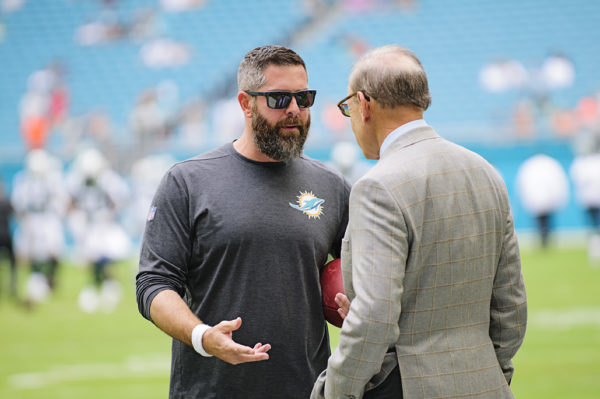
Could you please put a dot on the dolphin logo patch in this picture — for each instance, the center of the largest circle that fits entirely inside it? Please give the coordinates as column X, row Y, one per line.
column 309, row 204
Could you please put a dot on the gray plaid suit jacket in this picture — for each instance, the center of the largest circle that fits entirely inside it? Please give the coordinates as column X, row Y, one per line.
column 432, row 268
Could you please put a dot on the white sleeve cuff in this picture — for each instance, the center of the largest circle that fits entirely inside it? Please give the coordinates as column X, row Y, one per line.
column 197, row 334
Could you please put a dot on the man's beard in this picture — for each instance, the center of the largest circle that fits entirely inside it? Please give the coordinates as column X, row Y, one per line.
column 275, row 145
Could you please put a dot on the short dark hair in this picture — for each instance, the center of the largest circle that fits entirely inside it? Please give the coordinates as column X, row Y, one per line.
column 250, row 73
column 393, row 76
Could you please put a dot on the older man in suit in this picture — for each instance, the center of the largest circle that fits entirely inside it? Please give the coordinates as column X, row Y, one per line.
column 430, row 259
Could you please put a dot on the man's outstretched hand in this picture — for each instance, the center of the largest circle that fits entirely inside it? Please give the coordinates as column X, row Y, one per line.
column 218, row 341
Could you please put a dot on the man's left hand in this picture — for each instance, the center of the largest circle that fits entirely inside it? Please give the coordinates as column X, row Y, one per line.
column 344, row 304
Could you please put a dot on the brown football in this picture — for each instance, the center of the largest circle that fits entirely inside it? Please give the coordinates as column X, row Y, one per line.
column 331, row 284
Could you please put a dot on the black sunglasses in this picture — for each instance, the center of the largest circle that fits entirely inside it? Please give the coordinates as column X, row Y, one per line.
column 281, row 99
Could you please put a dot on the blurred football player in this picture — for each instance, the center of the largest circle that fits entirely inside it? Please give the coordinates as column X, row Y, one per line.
column 98, row 194
column 585, row 172
column 6, row 242
column 544, row 190
column 40, row 201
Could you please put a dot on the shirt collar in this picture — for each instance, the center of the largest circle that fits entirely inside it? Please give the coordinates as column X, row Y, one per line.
column 399, row 132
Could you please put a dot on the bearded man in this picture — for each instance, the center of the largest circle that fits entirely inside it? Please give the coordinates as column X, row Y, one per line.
column 240, row 234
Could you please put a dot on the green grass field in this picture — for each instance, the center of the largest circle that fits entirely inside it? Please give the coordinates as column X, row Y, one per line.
column 57, row 351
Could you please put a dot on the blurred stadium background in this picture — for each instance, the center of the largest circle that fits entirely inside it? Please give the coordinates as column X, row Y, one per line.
column 141, row 80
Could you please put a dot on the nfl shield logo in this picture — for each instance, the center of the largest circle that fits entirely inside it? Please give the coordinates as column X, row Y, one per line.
column 151, row 213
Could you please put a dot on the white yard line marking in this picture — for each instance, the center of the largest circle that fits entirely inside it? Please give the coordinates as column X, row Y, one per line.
column 135, row 366
column 565, row 319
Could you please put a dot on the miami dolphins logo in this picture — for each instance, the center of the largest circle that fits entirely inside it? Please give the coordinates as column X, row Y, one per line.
column 309, row 204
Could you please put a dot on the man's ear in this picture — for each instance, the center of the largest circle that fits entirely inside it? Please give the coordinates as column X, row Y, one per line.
column 364, row 106
column 245, row 101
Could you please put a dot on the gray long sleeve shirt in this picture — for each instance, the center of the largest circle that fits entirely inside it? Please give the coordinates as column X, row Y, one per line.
column 237, row 237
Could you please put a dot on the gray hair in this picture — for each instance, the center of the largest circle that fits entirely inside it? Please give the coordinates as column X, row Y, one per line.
column 393, row 76
column 251, row 71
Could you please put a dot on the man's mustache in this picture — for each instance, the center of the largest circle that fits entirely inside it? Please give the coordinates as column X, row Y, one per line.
column 290, row 121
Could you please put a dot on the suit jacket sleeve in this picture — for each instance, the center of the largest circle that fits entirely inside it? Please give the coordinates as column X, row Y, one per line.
column 508, row 312
column 378, row 243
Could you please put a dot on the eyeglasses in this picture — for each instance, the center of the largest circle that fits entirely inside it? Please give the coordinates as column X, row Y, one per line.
column 343, row 105
column 281, row 99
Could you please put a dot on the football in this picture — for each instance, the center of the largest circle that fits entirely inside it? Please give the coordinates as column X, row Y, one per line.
column 331, row 284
